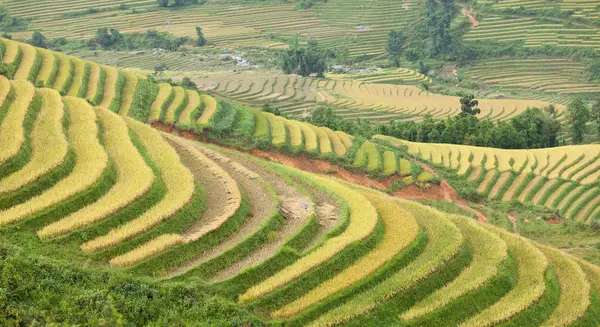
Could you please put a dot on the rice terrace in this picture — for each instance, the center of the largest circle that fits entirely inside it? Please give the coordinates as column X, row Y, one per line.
column 300, row 163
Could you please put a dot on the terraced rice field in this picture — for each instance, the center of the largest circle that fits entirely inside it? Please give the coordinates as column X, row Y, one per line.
column 545, row 75
column 586, row 9
column 564, row 178
column 121, row 92
column 534, row 33
column 296, row 96
column 334, row 24
column 289, row 246
column 385, row 76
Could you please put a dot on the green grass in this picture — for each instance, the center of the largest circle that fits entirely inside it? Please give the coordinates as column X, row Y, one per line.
column 100, row 89
column 116, row 102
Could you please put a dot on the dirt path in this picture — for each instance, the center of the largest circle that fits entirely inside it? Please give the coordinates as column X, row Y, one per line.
column 261, row 207
column 216, row 196
column 469, row 14
column 289, row 197
column 327, row 209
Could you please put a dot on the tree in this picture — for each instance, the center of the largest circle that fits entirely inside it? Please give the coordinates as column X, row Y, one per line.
column 107, row 38
column 201, row 41
column 468, row 106
column 596, row 114
column 396, row 42
column 188, row 83
column 423, row 69
column 38, row 40
column 178, row 3
column 304, row 60
column 160, row 69
column 577, row 117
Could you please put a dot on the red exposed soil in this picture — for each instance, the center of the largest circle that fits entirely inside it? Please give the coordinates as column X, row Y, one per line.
column 442, row 192
column 469, row 14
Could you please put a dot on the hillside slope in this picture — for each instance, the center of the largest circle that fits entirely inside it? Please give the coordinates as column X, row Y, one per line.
column 287, row 245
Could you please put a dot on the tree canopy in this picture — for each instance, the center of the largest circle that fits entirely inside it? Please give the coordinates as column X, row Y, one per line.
column 304, row 60
column 578, row 115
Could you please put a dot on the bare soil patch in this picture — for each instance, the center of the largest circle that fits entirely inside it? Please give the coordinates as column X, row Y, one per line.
column 290, row 197
column 261, row 208
column 216, row 194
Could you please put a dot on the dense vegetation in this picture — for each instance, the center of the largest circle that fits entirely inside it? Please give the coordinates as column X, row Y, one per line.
column 535, row 128
column 110, row 38
column 10, row 23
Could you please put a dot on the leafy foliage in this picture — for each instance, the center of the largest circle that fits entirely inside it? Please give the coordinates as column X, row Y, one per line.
column 304, row 60
column 40, row 292
column 468, row 106
column 578, row 115
column 151, row 39
column 178, row 3
column 224, row 117
column 38, row 40
column 201, row 40
column 10, row 23
column 534, row 128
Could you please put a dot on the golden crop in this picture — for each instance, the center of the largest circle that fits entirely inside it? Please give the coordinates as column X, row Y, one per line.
column 164, row 90
column 400, row 230
column 64, row 71
column 445, row 240
column 131, row 82
column 11, row 130
column 134, row 179
column 363, row 218
column 110, row 86
column 310, row 137
column 574, row 289
column 179, row 182
column 91, row 161
column 338, row 147
column 404, row 167
column 210, row 106
column 345, row 138
column 389, row 163
column 177, row 100
column 48, row 60
column 78, row 73
column 193, row 103
column 324, row 141
column 278, row 132
column 531, row 265
column 48, row 143
column 27, row 61
column 489, row 251
column 5, row 88
column 92, row 86
column 11, row 52
column 295, row 132
column 147, row 250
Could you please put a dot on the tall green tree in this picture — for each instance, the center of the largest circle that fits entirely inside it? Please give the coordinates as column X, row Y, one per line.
column 596, row 114
column 201, row 40
column 396, row 42
column 578, row 115
column 304, row 60
column 38, row 40
column 468, row 106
